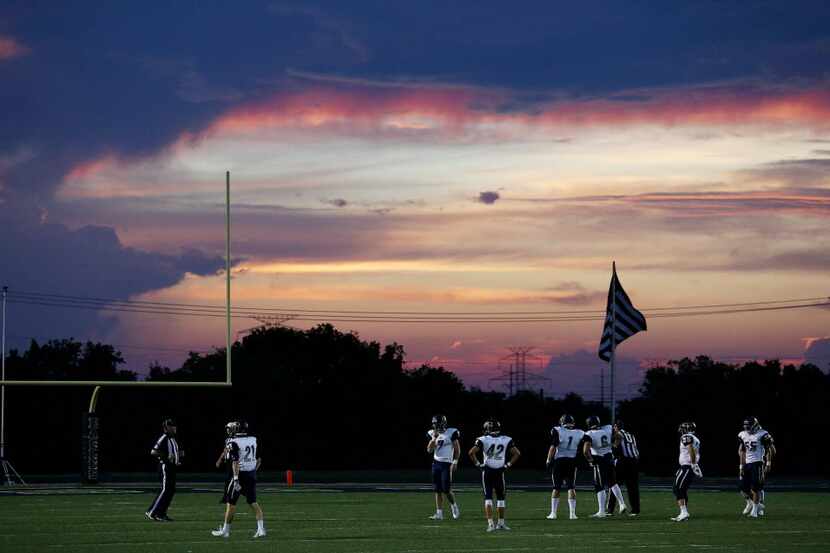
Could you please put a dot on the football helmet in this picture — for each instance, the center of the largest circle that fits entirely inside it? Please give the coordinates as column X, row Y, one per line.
column 492, row 427
column 439, row 423
column 232, row 429
column 168, row 423
column 592, row 422
column 752, row 425
column 566, row 420
column 687, row 428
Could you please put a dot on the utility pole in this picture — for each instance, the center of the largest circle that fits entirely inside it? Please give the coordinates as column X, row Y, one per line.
column 602, row 386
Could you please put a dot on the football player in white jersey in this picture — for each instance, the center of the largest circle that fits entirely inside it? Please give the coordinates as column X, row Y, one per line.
column 564, row 445
column 494, row 448
column 243, row 454
column 755, row 451
column 688, row 460
column 596, row 447
column 445, row 446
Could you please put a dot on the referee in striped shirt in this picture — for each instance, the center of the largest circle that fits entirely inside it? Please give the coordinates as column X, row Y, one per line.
column 169, row 456
column 628, row 467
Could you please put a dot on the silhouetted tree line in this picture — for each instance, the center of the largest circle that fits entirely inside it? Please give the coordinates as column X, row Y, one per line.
column 324, row 399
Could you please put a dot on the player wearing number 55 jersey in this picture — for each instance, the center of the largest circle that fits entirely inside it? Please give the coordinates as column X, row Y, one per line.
column 755, row 450
column 243, row 455
column 494, row 448
column 565, row 441
column 597, row 449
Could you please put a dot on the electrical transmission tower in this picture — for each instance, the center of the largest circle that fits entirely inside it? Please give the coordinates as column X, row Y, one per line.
column 267, row 321
column 516, row 377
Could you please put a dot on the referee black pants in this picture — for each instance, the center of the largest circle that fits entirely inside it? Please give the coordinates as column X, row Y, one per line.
column 167, row 472
column 628, row 473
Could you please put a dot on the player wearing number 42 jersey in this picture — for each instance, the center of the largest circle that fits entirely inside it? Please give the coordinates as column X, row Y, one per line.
column 565, row 441
column 494, row 448
column 597, row 446
column 755, row 450
column 242, row 455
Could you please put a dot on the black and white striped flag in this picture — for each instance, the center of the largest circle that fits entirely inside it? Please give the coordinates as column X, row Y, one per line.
column 621, row 318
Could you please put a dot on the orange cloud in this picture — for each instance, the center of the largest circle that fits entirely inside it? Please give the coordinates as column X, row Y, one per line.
column 358, row 109
column 10, row 48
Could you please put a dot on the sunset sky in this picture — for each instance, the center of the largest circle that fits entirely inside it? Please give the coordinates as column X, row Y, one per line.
column 453, row 157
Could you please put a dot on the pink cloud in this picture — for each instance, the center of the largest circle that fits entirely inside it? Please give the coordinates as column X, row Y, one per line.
column 452, row 110
column 11, row 48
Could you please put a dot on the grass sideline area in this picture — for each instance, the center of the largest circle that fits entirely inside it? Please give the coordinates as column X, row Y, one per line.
column 328, row 521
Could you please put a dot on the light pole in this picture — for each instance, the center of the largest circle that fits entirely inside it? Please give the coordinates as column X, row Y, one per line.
column 8, row 469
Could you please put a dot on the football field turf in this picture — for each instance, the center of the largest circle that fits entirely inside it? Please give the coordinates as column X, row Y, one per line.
column 396, row 522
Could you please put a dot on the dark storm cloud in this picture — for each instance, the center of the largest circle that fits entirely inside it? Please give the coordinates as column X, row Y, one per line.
column 89, row 261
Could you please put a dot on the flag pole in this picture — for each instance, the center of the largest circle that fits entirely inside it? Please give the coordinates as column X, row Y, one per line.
column 228, row 277
column 613, row 337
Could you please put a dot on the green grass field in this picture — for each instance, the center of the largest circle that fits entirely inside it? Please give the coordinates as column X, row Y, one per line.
column 344, row 522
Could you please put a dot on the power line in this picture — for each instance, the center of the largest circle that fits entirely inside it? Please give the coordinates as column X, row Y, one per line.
column 179, row 309
column 210, row 308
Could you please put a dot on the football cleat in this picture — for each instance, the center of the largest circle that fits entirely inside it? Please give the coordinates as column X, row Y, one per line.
column 551, row 516
column 151, row 516
column 573, row 516
column 221, row 532
column 456, row 511
column 436, row 516
column 747, row 509
column 502, row 526
column 681, row 517
column 599, row 515
column 259, row 533
column 491, row 528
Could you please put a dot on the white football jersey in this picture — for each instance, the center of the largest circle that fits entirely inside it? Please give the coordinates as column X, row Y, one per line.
column 687, row 440
column 566, row 441
column 494, row 449
column 246, row 449
column 601, row 439
column 755, row 445
column 443, row 445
